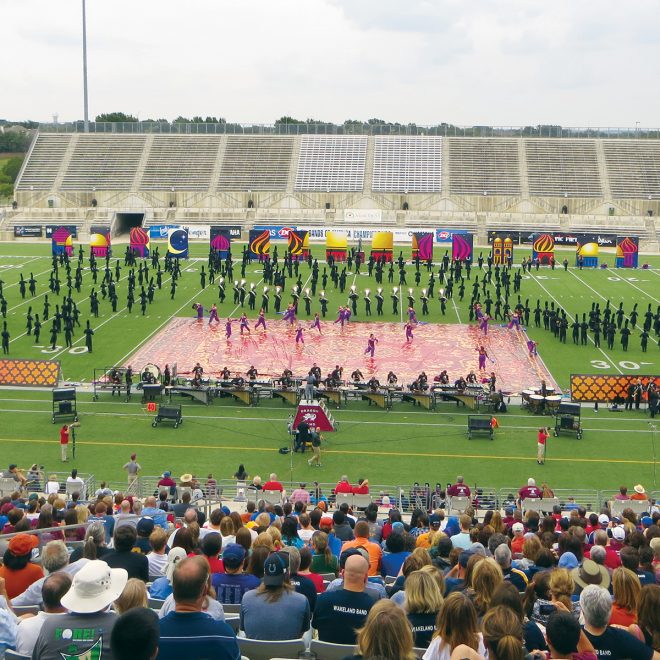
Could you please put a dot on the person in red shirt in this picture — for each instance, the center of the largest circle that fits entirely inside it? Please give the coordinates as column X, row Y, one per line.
column 64, row 442
column 459, row 489
column 362, row 487
column 273, row 484
column 542, row 438
column 343, row 486
column 530, row 492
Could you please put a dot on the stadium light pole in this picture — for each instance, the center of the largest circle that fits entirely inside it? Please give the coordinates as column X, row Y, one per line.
column 85, row 98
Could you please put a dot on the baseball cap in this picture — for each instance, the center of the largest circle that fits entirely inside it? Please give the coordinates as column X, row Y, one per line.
column 518, row 527
column 464, row 558
column 349, row 553
column 145, row 526
column 275, row 569
column 477, row 549
column 233, row 555
column 435, row 519
column 398, row 527
column 23, row 544
column 603, row 519
column 618, row 533
column 647, row 521
column 568, row 560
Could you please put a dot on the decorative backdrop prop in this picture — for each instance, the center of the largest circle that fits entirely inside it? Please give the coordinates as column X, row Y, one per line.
column 221, row 241
column 298, row 244
column 336, row 244
column 99, row 241
column 62, row 241
column 502, row 250
column 587, row 248
column 259, row 244
column 543, row 248
column 422, row 245
column 177, row 243
column 139, row 241
column 461, row 246
column 627, row 251
column 382, row 245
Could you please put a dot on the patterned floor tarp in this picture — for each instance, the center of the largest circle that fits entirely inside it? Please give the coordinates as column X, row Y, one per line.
column 435, row 347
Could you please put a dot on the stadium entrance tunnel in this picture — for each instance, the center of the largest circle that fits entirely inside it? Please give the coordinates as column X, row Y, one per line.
column 124, row 222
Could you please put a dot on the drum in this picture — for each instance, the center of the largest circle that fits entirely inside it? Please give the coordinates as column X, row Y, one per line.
column 552, row 403
column 535, row 390
column 550, row 391
column 536, row 403
column 525, row 396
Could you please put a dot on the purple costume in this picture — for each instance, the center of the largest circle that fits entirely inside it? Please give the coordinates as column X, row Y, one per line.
column 341, row 318
column 412, row 317
column 409, row 332
column 483, row 324
column 482, row 360
column 290, row 316
column 299, row 336
column 228, row 329
column 515, row 321
column 200, row 312
column 316, row 324
column 213, row 315
column 371, row 347
column 244, row 324
column 260, row 321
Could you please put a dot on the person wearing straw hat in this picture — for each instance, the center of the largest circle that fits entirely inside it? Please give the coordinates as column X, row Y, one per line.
column 87, row 627
column 639, row 494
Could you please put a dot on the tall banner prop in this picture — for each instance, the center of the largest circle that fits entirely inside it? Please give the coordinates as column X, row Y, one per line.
column 99, row 241
column 336, row 244
column 299, row 244
column 382, row 245
column 587, row 248
column 502, row 250
column 627, row 251
column 221, row 241
column 543, row 248
column 461, row 247
column 139, row 241
column 177, row 243
column 62, row 241
column 259, row 244
column 422, row 245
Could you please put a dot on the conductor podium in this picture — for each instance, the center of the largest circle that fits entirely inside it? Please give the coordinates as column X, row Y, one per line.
column 315, row 414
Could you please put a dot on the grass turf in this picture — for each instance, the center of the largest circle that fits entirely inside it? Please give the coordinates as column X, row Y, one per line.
column 402, row 446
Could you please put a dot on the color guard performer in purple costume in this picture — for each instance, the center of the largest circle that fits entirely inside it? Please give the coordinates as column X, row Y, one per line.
column 244, row 324
column 341, row 316
column 228, row 328
column 483, row 323
column 477, row 311
column 213, row 314
column 532, row 347
column 412, row 317
column 261, row 321
column 515, row 321
column 317, row 323
column 290, row 314
column 371, row 345
column 299, row 335
column 482, row 358
column 409, row 332
column 200, row 312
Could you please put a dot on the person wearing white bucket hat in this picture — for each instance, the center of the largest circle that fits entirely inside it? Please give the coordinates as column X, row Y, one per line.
column 162, row 586
column 87, row 626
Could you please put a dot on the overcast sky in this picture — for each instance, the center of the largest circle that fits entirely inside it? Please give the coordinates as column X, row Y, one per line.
column 495, row 62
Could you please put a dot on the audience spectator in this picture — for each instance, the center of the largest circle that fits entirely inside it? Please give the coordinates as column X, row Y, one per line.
column 188, row 631
column 503, row 635
column 135, row 635
column 486, row 577
column 17, row 570
column 627, row 591
column 423, row 602
column 135, row 564
column 301, row 583
column 640, row 493
column 462, row 539
column 323, row 561
column 133, row 595
column 157, row 558
column 274, row 484
column 342, row 529
column 231, row 586
column 339, row 613
column 362, row 541
column 162, row 586
column 648, row 616
column 517, row 577
column 95, row 587
column 395, row 555
column 274, row 610
column 459, row 489
column 300, row 494
column 305, row 565
column 53, row 589
column 343, row 486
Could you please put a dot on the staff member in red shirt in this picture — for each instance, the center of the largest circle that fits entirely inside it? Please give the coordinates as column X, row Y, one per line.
column 544, row 432
column 64, row 442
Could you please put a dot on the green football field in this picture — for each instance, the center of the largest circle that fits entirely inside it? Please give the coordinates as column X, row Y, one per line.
column 398, row 447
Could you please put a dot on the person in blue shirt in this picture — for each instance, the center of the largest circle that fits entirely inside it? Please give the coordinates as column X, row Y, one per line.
column 188, row 632
column 395, row 554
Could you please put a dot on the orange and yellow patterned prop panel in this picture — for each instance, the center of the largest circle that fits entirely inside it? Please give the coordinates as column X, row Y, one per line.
column 605, row 388
column 29, row 373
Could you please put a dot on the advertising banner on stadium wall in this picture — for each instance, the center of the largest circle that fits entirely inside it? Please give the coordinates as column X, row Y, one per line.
column 560, row 238
column 221, row 240
column 259, row 243
column 160, row 231
column 446, row 235
column 277, row 232
column 138, row 241
column 606, row 388
column 367, row 216
column 28, row 231
column 627, row 251
column 71, row 229
column 198, row 232
column 177, row 243
column 99, row 241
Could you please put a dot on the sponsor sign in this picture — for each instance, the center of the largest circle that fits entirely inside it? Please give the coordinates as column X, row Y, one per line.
column 161, row 231
column 28, row 231
column 276, row 232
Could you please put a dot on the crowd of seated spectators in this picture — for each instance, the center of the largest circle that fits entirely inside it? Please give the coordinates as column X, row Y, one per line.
column 513, row 584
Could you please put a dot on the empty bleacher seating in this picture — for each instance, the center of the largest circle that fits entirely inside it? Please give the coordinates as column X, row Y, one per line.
column 562, row 168
column 407, row 164
column 633, row 167
column 44, row 162
column 256, row 163
column 104, row 162
column 331, row 163
column 479, row 166
column 182, row 162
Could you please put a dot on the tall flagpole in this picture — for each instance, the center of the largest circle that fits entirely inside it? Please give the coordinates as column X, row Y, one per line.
column 85, row 99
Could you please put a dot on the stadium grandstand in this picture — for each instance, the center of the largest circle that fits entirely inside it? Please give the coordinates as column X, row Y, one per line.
column 572, row 182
